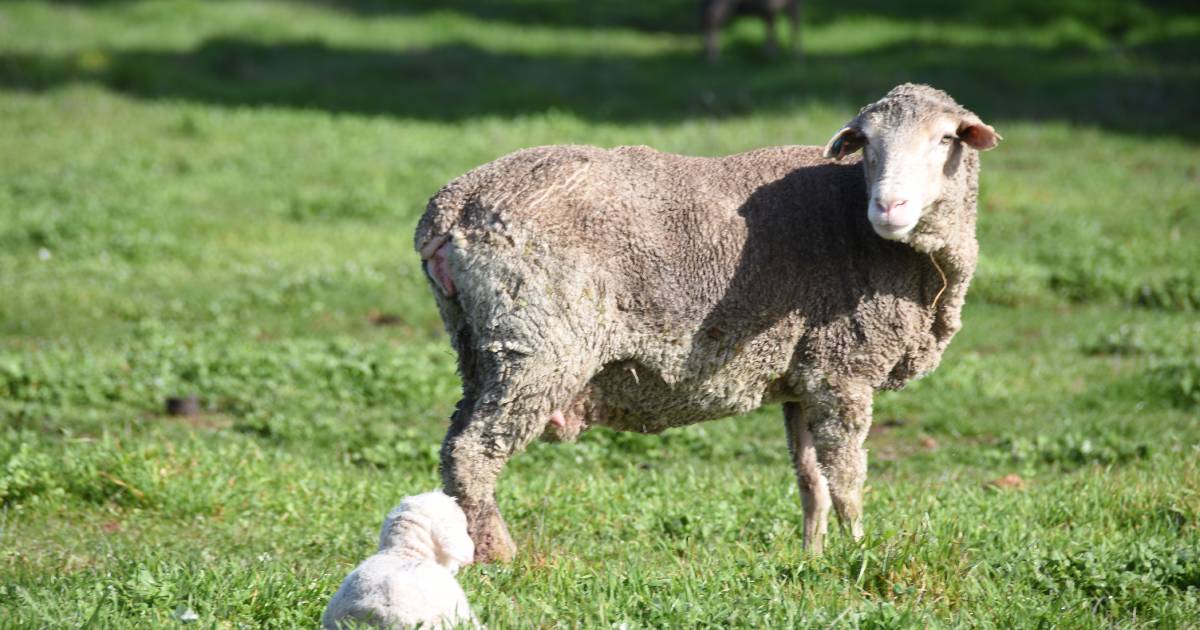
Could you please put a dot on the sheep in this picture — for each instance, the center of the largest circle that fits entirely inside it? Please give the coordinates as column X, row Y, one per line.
column 410, row 581
column 716, row 13
column 641, row 290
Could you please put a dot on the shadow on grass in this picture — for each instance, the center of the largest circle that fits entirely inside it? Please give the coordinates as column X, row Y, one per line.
column 459, row 81
column 1115, row 17
column 678, row 16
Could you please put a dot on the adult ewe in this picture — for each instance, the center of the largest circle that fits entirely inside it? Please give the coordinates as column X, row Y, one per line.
column 642, row 290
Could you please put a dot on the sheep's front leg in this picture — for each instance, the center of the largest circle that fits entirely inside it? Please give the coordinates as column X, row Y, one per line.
column 839, row 438
column 814, row 489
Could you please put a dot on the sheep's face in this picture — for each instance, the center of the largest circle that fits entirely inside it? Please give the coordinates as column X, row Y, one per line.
column 913, row 142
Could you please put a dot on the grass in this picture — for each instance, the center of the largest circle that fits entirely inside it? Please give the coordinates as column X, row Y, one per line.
column 218, row 198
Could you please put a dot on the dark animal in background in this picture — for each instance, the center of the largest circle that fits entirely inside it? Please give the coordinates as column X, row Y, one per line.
column 715, row 14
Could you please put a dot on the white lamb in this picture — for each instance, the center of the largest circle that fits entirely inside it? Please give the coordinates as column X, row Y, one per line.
column 410, row 581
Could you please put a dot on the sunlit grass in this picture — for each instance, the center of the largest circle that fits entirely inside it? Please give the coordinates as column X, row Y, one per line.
column 218, row 198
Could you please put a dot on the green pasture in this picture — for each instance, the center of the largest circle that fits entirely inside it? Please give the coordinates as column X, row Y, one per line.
column 218, row 198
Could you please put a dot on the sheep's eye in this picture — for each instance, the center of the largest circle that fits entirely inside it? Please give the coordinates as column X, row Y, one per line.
column 947, row 139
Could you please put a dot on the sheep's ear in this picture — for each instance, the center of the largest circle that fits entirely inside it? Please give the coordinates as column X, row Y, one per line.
column 457, row 546
column 845, row 142
column 976, row 134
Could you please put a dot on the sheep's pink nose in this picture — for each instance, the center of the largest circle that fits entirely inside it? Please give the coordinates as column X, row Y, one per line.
column 886, row 206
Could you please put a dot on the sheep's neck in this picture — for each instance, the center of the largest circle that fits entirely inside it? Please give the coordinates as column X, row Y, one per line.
column 952, row 264
column 419, row 550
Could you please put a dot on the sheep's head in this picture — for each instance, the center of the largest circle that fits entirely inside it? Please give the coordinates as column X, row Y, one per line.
column 914, row 140
column 429, row 526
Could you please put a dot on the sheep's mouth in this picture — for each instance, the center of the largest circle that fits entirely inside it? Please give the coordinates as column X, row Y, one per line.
column 893, row 231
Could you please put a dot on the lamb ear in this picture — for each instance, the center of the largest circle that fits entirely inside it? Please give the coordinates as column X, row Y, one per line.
column 845, row 142
column 456, row 545
column 976, row 134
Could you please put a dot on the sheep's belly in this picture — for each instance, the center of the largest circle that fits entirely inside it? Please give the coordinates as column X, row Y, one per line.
column 627, row 397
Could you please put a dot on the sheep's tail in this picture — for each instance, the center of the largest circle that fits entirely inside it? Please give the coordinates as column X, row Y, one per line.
column 442, row 213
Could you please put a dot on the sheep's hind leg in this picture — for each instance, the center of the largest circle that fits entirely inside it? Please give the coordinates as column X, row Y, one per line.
column 501, row 422
column 814, row 489
column 794, row 12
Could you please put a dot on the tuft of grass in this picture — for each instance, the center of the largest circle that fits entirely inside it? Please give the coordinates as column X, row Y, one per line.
column 1177, row 382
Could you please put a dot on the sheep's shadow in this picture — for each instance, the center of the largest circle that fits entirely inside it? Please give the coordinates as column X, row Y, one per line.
column 796, row 255
column 819, row 261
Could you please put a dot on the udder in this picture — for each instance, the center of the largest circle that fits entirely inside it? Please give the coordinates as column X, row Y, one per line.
column 566, row 424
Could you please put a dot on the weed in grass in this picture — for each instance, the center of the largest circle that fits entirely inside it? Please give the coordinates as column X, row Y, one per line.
column 1177, row 382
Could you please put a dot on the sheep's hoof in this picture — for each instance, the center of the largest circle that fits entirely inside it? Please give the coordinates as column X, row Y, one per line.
column 495, row 548
column 490, row 535
column 495, row 551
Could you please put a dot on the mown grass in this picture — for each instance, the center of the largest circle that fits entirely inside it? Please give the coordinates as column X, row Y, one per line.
column 218, row 198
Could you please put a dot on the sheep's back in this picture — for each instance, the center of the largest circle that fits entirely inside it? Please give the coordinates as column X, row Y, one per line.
column 670, row 232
